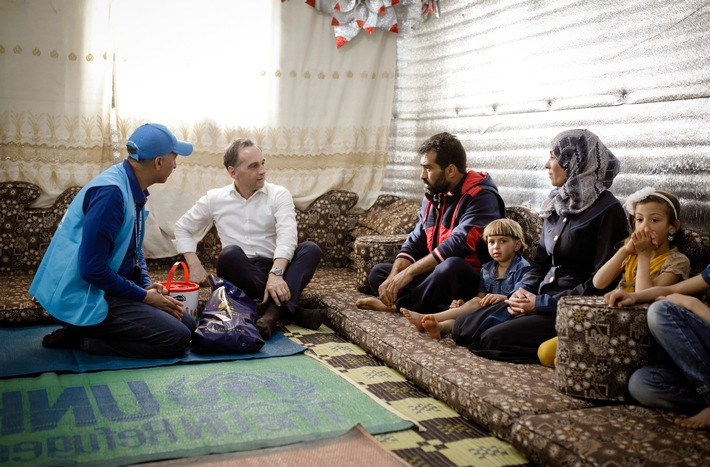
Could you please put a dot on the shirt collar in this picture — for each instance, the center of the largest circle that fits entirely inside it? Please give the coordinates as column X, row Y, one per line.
column 233, row 190
column 139, row 196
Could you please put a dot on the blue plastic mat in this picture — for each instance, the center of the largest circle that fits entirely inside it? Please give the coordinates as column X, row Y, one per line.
column 21, row 353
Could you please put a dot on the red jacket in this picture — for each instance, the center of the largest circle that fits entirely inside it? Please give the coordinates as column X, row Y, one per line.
column 452, row 223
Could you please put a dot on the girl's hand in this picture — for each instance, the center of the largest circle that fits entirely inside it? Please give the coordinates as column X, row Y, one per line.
column 618, row 298
column 644, row 240
column 629, row 247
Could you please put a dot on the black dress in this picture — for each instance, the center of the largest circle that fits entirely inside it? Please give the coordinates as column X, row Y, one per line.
column 572, row 248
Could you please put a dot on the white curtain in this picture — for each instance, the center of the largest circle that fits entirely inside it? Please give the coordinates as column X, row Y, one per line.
column 55, row 92
column 211, row 70
column 220, row 69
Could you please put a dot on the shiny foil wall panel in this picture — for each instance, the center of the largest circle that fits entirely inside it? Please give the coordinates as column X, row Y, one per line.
column 507, row 76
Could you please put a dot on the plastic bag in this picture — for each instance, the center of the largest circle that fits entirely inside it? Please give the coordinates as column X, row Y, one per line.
column 227, row 323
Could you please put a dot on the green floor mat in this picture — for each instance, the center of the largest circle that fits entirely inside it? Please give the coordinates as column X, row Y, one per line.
column 128, row 416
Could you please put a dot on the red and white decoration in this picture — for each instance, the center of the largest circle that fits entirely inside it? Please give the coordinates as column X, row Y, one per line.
column 352, row 16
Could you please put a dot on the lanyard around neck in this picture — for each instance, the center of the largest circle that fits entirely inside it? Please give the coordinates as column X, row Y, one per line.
column 138, row 231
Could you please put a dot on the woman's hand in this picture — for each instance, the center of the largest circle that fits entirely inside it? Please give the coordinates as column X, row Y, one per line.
column 521, row 302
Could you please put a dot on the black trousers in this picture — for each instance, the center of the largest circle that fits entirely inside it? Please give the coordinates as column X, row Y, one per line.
column 251, row 274
column 452, row 279
column 515, row 340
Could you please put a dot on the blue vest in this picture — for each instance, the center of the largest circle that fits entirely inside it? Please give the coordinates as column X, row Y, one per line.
column 57, row 285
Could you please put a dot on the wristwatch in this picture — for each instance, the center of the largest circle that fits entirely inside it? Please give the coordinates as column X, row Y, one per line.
column 277, row 272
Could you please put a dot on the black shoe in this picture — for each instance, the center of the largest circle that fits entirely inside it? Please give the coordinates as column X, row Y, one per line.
column 309, row 318
column 63, row 338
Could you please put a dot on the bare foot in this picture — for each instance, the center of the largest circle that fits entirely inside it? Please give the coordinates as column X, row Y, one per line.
column 373, row 303
column 699, row 421
column 432, row 326
column 414, row 318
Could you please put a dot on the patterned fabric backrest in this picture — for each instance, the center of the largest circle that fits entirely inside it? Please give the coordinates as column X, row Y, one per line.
column 531, row 222
column 328, row 222
column 696, row 246
column 389, row 215
column 25, row 232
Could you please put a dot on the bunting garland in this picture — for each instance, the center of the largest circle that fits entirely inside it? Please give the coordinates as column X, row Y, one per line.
column 352, row 16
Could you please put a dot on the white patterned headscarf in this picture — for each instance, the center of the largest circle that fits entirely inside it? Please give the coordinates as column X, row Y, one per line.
column 590, row 169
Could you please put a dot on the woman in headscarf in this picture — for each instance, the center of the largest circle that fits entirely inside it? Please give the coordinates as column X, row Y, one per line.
column 583, row 223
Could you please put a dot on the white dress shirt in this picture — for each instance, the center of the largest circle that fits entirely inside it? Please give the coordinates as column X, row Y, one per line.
column 263, row 225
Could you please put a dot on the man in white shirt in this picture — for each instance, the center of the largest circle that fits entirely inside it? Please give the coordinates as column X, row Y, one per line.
column 256, row 223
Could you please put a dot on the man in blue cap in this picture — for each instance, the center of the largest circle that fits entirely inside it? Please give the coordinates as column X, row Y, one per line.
column 93, row 277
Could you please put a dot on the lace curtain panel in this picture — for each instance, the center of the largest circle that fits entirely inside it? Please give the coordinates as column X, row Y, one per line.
column 210, row 71
column 55, row 93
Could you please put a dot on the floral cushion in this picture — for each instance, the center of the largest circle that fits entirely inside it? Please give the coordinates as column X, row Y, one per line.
column 515, row 402
column 531, row 222
column 390, row 216
column 371, row 250
column 17, row 308
column 26, row 232
column 494, row 394
column 614, row 435
column 696, row 246
column 328, row 222
column 599, row 347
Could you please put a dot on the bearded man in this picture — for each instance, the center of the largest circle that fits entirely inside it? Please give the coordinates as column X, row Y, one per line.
column 441, row 259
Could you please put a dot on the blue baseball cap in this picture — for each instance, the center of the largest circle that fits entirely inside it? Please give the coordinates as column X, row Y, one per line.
column 152, row 140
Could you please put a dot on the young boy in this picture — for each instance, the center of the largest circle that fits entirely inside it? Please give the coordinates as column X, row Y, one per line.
column 499, row 278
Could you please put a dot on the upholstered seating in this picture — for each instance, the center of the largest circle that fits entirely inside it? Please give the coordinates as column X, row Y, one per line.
column 531, row 223
column 371, row 250
column 25, row 234
column 518, row 403
column 599, row 347
column 383, row 229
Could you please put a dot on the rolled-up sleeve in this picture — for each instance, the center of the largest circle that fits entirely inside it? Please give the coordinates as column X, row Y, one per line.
column 196, row 219
column 286, row 226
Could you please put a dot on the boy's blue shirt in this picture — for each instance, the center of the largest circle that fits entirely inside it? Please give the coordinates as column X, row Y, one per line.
column 507, row 284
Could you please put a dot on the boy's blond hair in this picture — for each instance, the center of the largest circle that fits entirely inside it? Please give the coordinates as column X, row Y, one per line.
column 505, row 228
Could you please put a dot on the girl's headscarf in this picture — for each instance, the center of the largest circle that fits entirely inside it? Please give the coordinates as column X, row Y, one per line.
column 590, row 169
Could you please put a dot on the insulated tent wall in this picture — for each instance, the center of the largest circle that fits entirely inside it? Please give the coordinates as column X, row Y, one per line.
column 507, row 76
